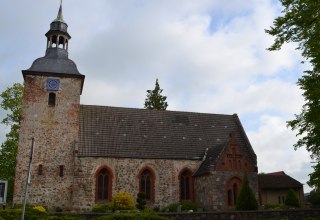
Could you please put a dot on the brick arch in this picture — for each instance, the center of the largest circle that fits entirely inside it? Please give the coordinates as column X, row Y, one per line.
column 142, row 175
column 232, row 190
column 103, row 169
column 186, row 191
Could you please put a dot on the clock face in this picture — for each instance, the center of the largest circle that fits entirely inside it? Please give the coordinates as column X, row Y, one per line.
column 53, row 84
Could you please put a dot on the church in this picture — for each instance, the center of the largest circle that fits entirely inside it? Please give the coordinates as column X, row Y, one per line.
column 84, row 154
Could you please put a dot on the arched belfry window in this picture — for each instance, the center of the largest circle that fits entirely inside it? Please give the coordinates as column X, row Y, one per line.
column 103, row 185
column 186, row 185
column 146, row 183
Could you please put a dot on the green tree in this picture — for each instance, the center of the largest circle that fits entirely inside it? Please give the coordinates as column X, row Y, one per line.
column 300, row 23
column 11, row 102
column 291, row 199
column 314, row 198
column 246, row 199
column 155, row 100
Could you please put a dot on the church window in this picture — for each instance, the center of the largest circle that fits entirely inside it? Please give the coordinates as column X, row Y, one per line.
column 52, row 99
column 103, row 180
column 103, row 185
column 146, row 184
column 186, row 185
column 40, row 170
column 61, row 170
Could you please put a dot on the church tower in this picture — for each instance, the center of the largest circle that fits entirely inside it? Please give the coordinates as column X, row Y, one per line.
column 51, row 107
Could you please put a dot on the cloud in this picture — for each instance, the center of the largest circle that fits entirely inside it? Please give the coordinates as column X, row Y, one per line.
column 209, row 56
column 273, row 143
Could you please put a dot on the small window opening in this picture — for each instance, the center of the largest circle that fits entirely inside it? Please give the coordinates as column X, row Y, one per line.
column 52, row 99
column 40, row 170
column 61, row 170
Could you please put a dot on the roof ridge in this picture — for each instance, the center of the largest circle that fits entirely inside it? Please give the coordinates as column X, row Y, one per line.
column 135, row 108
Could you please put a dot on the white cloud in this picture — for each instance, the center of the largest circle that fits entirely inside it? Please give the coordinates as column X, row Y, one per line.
column 209, row 56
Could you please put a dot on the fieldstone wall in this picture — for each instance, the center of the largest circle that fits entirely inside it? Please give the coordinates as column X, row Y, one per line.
column 126, row 178
column 55, row 130
column 211, row 192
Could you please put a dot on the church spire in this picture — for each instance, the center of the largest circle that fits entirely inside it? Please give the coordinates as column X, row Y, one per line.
column 56, row 57
column 60, row 16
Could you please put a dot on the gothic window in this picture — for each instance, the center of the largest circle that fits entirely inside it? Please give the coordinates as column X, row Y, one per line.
column 61, row 170
column 52, row 99
column 186, row 185
column 103, row 185
column 147, row 184
column 40, row 170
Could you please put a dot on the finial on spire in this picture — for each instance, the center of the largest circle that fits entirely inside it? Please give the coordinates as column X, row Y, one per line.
column 60, row 16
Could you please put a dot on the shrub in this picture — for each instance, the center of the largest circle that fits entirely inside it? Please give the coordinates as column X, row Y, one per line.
column 170, row 208
column 122, row 201
column 187, row 205
column 291, row 199
column 141, row 201
column 102, row 208
column 39, row 208
column 12, row 214
column 246, row 199
column 314, row 198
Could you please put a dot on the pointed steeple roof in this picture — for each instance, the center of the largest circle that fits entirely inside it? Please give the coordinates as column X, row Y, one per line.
column 60, row 16
column 56, row 61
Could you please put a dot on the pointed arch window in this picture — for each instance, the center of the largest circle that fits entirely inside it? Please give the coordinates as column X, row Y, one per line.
column 147, row 183
column 103, row 185
column 186, row 185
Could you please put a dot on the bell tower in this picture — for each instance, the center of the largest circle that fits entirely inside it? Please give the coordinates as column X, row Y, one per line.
column 50, row 115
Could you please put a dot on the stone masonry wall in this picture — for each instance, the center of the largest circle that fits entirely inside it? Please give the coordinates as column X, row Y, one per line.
column 126, row 178
column 210, row 190
column 55, row 132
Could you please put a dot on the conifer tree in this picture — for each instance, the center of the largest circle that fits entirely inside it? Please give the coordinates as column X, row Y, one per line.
column 141, row 201
column 154, row 100
column 291, row 199
column 246, row 199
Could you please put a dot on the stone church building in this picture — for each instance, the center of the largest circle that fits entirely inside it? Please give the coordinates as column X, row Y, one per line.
column 84, row 154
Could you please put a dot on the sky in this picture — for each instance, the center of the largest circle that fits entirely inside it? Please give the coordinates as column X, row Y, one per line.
column 209, row 56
